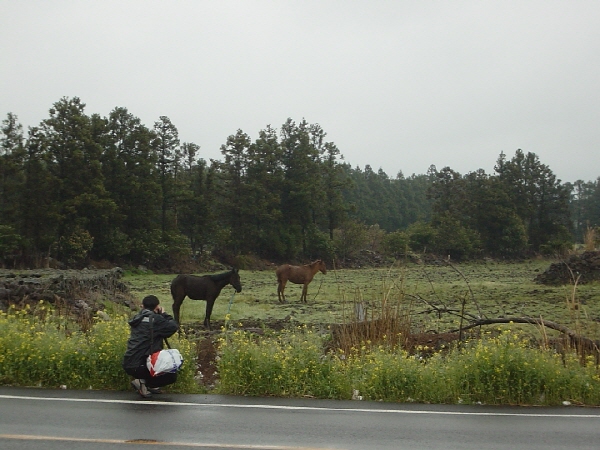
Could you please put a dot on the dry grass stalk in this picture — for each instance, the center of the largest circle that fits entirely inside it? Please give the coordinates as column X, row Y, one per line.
column 384, row 323
column 590, row 239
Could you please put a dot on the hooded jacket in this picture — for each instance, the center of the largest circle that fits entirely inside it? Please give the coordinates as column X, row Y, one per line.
column 147, row 326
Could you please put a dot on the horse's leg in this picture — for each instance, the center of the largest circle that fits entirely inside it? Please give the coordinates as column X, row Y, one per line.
column 280, row 289
column 304, row 291
column 209, row 308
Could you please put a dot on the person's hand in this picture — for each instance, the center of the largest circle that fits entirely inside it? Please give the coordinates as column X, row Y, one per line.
column 159, row 310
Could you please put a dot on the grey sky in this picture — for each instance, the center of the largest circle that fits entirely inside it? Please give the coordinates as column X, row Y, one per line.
column 399, row 85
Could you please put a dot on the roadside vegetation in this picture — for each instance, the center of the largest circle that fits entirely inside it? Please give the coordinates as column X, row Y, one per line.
column 43, row 348
column 389, row 334
column 500, row 369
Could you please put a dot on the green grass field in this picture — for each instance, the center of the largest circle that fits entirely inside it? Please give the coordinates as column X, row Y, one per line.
column 494, row 289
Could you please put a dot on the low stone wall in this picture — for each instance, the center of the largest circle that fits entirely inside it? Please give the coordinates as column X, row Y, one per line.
column 82, row 291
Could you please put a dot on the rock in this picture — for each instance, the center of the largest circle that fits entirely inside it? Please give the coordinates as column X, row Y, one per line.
column 81, row 304
column 103, row 316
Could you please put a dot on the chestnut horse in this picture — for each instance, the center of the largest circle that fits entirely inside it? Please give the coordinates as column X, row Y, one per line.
column 207, row 287
column 298, row 275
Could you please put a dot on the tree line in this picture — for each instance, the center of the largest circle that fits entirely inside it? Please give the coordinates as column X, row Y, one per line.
column 84, row 187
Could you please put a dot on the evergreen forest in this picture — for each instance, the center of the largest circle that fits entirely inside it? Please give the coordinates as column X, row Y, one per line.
column 82, row 188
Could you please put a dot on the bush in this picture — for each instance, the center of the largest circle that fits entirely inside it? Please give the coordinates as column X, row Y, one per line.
column 387, row 375
column 147, row 246
column 507, row 238
column 396, row 243
column 493, row 370
column 559, row 244
column 76, row 246
column 289, row 365
column 421, row 236
column 349, row 240
column 505, row 370
column 318, row 244
column 37, row 350
column 454, row 239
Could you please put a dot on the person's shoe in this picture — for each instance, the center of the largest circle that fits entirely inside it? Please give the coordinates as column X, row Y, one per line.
column 135, row 384
column 155, row 390
column 141, row 388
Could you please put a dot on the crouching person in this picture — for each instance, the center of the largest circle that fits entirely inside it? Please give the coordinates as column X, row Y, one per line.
column 149, row 328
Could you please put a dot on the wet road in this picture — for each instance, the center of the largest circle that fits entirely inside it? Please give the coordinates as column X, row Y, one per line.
column 94, row 420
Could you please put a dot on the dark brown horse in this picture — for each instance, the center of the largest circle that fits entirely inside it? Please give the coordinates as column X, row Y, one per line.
column 207, row 287
column 299, row 275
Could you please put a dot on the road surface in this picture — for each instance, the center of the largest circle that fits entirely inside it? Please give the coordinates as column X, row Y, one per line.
column 94, row 420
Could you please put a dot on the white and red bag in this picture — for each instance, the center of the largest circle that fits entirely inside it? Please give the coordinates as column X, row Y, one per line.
column 164, row 361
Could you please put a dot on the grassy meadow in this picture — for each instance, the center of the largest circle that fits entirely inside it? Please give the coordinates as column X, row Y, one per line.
column 489, row 289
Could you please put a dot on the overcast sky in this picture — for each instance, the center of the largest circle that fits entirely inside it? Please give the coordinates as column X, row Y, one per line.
column 399, row 85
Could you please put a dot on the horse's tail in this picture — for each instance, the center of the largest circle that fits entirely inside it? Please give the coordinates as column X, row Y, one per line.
column 279, row 273
column 178, row 294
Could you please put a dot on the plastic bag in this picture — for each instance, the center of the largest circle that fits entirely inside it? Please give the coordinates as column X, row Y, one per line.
column 164, row 361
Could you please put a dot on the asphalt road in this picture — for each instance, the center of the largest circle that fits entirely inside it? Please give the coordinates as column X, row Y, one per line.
column 94, row 420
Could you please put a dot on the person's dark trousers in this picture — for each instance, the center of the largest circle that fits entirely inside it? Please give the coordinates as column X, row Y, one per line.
column 152, row 382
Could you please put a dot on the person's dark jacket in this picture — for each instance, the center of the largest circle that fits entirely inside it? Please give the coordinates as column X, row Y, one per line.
column 138, row 345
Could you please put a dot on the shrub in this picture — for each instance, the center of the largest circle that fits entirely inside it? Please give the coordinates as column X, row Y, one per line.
column 38, row 351
column 559, row 243
column 421, row 236
column 454, row 239
column 386, row 375
column 493, row 370
column 76, row 246
column 289, row 365
column 396, row 243
column 349, row 239
column 506, row 370
column 318, row 244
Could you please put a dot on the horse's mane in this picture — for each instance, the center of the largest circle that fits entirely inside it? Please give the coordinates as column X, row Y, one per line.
column 220, row 276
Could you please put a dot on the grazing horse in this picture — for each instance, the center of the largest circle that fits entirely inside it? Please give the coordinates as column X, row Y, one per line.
column 207, row 287
column 298, row 275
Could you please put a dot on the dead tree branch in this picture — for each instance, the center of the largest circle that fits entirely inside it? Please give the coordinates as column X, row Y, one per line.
column 580, row 342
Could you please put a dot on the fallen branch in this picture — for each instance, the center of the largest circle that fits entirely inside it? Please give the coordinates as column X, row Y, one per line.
column 439, row 310
column 579, row 341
